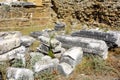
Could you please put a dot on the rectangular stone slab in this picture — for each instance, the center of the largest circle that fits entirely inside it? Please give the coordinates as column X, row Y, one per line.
column 17, row 53
column 111, row 38
column 73, row 56
column 88, row 45
column 49, row 41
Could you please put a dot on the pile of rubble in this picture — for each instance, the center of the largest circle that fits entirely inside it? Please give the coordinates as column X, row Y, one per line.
column 61, row 52
column 14, row 46
column 89, row 11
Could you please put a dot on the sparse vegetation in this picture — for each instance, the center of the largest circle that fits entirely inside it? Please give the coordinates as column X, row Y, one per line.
column 17, row 63
column 46, row 75
column 90, row 65
column 3, row 68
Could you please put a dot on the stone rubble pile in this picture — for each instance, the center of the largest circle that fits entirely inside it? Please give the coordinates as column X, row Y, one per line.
column 48, row 44
column 12, row 46
column 62, row 53
column 89, row 11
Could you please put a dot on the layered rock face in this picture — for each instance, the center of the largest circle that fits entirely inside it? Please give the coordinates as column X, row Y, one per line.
column 102, row 11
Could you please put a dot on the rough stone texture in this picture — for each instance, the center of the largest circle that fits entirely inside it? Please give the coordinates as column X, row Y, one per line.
column 19, row 74
column 111, row 38
column 36, row 34
column 48, row 44
column 45, row 48
column 48, row 41
column 11, row 34
column 35, row 57
column 89, row 11
column 18, row 53
column 46, row 33
column 73, row 56
column 88, row 45
column 117, row 34
column 9, row 44
column 65, row 69
column 27, row 41
column 59, row 26
column 46, row 63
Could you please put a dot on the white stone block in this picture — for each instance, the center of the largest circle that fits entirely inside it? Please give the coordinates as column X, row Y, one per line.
column 65, row 69
column 73, row 56
column 9, row 44
column 19, row 74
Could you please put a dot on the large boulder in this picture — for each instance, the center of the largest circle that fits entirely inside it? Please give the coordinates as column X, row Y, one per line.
column 111, row 38
column 73, row 56
column 19, row 74
column 88, row 45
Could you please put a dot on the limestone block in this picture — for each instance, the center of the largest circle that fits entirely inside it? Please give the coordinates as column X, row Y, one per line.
column 18, row 53
column 48, row 41
column 19, row 74
column 65, row 69
column 27, row 41
column 46, row 63
column 111, row 38
column 88, row 45
column 73, row 56
column 9, row 44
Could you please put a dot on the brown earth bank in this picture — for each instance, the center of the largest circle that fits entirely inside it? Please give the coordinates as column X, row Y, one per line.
column 89, row 11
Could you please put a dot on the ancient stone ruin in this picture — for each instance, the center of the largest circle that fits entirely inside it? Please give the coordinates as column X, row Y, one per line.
column 61, row 52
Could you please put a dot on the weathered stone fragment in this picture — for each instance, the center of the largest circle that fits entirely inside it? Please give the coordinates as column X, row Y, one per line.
column 112, row 39
column 27, row 41
column 73, row 56
column 35, row 57
column 59, row 26
column 48, row 41
column 11, row 34
column 65, row 69
column 46, row 63
column 46, row 33
column 18, row 53
column 116, row 33
column 88, row 45
column 36, row 34
column 19, row 74
column 45, row 49
column 9, row 44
